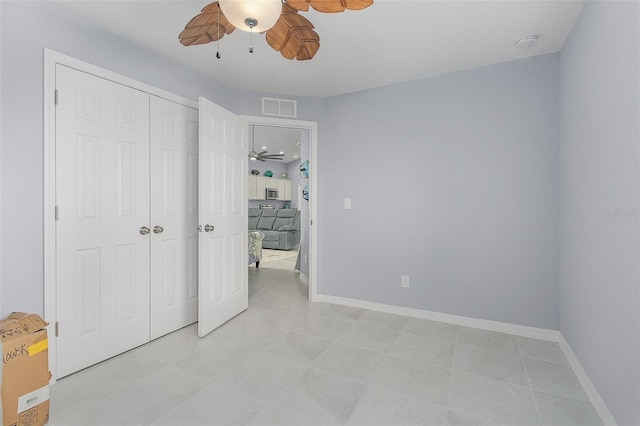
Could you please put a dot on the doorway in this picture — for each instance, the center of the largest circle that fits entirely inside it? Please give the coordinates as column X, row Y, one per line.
column 303, row 191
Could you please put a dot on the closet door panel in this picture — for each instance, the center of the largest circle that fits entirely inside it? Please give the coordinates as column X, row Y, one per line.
column 174, row 215
column 102, row 195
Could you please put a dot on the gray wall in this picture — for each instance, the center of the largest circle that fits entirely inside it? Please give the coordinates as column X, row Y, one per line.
column 22, row 130
column 599, row 201
column 453, row 182
column 21, row 138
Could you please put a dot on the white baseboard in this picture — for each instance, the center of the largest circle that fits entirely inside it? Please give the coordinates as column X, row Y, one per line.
column 502, row 327
column 519, row 330
column 587, row 385
column 303, row 277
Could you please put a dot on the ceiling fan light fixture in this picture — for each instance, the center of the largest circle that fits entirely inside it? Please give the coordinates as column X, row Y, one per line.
column 248, row 15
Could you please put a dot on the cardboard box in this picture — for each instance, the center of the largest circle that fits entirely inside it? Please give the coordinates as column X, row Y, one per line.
column 24, row 372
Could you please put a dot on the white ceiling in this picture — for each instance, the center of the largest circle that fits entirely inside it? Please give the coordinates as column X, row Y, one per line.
column 276, row 140
column 390, row 42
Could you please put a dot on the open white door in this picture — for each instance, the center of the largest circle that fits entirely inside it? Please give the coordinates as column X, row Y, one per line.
column 222, row 210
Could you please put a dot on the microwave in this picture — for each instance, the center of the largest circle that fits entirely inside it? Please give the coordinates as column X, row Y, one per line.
column 271, row 194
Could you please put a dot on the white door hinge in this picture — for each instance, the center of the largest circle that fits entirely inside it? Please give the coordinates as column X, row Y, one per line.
column 56, row 213
column 55, row 97
column 57, row 328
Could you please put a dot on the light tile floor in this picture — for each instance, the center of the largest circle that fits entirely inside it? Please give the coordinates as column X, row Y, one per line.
column 285, row 361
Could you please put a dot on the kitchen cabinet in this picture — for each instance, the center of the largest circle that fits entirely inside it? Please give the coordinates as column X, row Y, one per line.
column 258, row 185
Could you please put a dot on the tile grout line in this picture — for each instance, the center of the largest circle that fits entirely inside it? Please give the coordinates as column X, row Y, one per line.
column 471, row 374
column 453, row 363
column 367, row 388
column 498, row 381
column 526, row 372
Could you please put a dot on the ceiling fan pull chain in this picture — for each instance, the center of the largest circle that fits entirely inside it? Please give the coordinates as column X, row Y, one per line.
column 218, row 41
column 251, row 40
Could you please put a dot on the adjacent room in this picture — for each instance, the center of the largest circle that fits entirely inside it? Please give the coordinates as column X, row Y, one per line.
column 277, row 247
column 397, row 212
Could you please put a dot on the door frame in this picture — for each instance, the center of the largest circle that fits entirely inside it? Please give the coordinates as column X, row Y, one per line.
column 312, row 127
column 51, row 59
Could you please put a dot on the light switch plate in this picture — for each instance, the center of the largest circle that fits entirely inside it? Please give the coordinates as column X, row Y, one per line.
column 347, row 203
column 404, row 281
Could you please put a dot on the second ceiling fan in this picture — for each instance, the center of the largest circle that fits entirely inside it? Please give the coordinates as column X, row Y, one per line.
column 263, row 156
column 286, row 31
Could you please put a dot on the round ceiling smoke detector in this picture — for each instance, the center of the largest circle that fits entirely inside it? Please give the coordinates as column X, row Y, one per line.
column 527, row 41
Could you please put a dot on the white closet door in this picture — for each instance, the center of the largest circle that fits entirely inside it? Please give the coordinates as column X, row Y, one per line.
column 222, row 256
column 174, row 216
column 102, row 194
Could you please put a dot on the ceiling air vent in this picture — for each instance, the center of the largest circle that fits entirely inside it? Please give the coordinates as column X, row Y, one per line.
column 280, row 107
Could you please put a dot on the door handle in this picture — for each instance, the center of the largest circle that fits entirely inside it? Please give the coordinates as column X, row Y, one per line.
column 208, row 228
column 144, row 230
column 158, row 229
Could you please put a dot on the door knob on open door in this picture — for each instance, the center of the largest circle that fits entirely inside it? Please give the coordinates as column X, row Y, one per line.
column 208, row 228
column 144, row 230
column 158, row 229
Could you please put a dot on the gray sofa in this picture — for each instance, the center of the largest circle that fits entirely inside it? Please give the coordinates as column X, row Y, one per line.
column 281, row 227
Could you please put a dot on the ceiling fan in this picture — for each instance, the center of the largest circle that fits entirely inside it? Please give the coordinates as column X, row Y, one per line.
column 286, row 31
column 263, row 156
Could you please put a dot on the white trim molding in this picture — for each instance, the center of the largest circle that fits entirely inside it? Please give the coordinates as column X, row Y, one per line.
column 303, row 278
column 501, row 327
column 1, row 312
column 312, row 127
column 599, row 405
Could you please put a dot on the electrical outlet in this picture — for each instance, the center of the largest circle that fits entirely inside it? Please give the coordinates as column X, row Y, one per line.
column 404, row 281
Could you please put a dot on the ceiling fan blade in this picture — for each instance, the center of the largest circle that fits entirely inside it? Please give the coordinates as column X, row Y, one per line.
column 262, row 152
column 203, row 28
column 293, row 35
column 329, row 6
column 260, row 159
